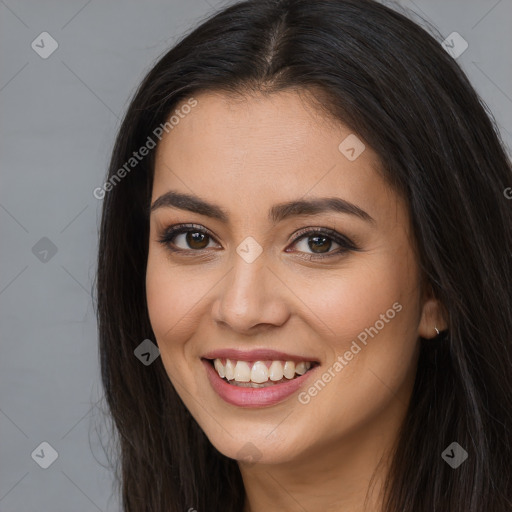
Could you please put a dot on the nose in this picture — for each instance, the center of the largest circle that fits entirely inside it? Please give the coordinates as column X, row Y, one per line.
column 251, row 298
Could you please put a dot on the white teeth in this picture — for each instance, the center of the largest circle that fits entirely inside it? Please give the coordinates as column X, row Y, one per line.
column 219, row 367
column 300, row 368
column 275, row 372
column 289, row 369
column 229, row 370
column 242, row 372
column 259, row 372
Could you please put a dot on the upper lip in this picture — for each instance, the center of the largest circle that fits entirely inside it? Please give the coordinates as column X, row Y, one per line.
column 261, row 354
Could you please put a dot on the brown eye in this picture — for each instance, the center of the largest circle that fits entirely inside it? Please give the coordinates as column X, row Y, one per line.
column 317, row 244
column 196, row 239
column 185, row 238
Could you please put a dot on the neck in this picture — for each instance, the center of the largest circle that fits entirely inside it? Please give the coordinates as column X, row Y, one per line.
column 344, row 475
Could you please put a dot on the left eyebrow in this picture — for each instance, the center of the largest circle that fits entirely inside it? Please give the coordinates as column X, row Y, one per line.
column 314, row 206
column 277, row 213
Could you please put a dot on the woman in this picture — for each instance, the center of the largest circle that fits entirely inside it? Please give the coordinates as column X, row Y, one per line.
column 305, row 213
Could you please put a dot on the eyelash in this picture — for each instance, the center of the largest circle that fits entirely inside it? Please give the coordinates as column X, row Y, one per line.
column 346, row 244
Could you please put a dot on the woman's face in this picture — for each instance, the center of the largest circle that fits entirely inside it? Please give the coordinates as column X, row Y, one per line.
column 343, row 297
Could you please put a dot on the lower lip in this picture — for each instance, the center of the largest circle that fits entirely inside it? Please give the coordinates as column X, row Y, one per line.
column 253, row 397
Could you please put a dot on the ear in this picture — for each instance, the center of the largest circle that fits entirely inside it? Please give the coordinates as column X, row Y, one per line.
column 433, row 314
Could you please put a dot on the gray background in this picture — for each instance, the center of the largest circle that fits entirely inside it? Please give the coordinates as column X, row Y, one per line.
column 58, row 120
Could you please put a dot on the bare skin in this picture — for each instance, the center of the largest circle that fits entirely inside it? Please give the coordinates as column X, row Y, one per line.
column 246, row 156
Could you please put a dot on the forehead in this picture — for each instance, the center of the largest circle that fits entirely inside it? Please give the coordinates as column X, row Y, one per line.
column 251, row 152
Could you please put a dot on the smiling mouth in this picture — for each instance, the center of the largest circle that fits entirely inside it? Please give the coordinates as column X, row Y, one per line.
column 259, row 374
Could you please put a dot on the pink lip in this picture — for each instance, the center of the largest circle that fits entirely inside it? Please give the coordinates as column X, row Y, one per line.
column 255, row 355
column 253, row 397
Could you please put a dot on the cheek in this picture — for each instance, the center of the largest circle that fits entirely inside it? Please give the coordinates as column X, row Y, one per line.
column 372, row 314
column 350, row 302
column 160, row 296
column 171, row 296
